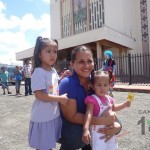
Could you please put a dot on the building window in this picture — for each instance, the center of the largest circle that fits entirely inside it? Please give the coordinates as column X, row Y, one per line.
column 96, row 14
column 81, row 15
column 66, row 18
column 144, row 25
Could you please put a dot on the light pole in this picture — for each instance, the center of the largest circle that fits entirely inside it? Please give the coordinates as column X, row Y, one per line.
column 10, row 61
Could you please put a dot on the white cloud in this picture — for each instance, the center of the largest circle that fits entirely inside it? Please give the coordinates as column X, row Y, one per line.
column 13, row 32
column 29, row 22
column 45, row 24
column 10, row 44
column 9, row 23
column 47, row 1
column 2, row 6
column 13, row 41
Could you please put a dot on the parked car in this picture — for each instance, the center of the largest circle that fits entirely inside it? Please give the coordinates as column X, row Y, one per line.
column 11, row 70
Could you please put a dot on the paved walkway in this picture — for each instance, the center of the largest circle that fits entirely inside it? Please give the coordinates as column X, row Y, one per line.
column 15, row 114
column 132, row 88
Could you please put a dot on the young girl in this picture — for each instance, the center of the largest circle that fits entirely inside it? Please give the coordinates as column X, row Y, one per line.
column 45, row 123
column 96, row 105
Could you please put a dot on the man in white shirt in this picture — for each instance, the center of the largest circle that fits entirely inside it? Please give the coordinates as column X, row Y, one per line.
column 27, row 71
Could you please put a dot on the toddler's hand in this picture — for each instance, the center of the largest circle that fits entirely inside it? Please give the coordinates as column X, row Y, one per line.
column 64, row 99
column 86, row 137
column 127, row 103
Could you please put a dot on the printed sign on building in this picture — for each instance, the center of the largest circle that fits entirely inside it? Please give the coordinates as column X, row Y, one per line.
column 79, row 11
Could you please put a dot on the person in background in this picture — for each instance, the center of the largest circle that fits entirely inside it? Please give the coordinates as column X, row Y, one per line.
column 45, row 122
column 77, row 87
column 4, row 75
column 110, row 65
column 64, row 70
column 67, row 72
column 27, row 71
column 96, row 105
column 18, row 75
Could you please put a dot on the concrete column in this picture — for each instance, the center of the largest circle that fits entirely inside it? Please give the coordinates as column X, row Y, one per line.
column 99, row 50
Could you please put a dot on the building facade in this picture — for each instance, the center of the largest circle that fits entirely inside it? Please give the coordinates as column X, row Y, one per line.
column 120, row 25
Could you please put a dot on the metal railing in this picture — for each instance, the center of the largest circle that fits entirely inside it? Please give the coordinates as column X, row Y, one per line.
column 131, row 68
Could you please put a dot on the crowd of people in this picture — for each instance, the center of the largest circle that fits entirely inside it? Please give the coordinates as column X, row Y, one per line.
column 20, row 74
column 75, row 108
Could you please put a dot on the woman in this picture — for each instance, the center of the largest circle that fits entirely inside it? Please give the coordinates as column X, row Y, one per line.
column 77, row 88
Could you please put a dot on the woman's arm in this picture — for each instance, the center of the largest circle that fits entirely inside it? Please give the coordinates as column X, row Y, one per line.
column 70, row 113
column 110, row 131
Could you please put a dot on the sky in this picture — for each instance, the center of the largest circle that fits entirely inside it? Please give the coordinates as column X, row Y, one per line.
column 21, row 22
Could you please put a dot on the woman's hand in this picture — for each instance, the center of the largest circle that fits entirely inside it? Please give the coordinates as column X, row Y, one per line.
column 110, row 131
column 109, row 116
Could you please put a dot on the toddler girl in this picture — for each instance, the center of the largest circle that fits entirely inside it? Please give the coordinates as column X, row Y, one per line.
column 96, row 105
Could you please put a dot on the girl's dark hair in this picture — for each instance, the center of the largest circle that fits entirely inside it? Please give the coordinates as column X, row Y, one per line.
column 78, row 49
column 102, row 73
column 40, row 44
